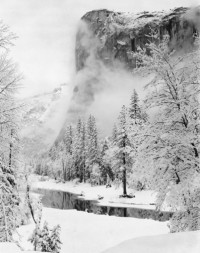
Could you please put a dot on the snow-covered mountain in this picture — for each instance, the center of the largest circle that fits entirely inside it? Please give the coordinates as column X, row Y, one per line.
column 43, row 117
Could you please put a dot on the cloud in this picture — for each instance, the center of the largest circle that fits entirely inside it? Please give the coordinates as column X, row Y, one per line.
column 100, row 89
column 193, row 15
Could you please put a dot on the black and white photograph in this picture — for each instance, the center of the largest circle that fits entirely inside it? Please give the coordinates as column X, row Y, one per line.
column 100, row 126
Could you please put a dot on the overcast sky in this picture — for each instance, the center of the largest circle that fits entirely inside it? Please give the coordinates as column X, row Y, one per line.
column 46, row 31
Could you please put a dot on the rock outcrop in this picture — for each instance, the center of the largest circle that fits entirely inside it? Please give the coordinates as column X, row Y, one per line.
column 119, row 34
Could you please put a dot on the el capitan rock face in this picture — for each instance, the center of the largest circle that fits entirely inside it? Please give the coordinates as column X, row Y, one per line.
column 113, row 36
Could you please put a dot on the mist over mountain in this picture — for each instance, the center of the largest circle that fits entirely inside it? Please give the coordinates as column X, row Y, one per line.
column 105, row 44
column 43, row 117
column 104, row 79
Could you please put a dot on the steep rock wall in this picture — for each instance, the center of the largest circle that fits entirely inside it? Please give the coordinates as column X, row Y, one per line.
column 119, row 34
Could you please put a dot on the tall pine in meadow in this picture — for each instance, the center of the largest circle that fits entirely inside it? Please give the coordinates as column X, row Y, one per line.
column 122, row 155
column 138, row 121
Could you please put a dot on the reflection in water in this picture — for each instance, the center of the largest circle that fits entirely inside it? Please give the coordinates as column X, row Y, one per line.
column 66, row 200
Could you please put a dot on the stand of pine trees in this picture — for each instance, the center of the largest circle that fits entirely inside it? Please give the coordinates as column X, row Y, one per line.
column 83, row 156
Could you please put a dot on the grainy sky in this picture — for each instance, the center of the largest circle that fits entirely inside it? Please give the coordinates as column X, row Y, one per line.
column 46, row 31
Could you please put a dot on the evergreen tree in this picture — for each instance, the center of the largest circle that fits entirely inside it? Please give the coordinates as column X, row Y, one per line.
column 83, row 151
column 45, row 238
column 137, row 124
column 35, row 237
column 134, row 110
column 69, row 139
column 106, row 171
column 92, row 148
column 9, row 202
column 79, row 151
column 114, row 135
column 123, row 148
column 55, row 244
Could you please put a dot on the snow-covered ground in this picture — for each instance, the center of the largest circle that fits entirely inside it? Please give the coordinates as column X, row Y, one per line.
column 110, row 196
column 187, row 242
column 7, row 247
column 83, row 232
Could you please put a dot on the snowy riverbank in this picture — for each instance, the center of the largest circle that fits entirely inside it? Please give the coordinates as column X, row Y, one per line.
column 90, row 233
column 105, row 196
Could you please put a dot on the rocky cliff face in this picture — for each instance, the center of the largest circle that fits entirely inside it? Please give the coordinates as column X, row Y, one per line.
column 118, row 34
column 105, row 43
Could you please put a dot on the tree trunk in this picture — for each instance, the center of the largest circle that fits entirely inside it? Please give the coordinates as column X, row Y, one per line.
column 124, row 182
column 124, row 167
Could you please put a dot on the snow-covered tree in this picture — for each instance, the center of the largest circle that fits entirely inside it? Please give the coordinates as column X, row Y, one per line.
column 45, row 238
column 114, row 135
column 122, row 150
column 92, row 146
column 79, row 150
column 134, row 109
column 9, row 202
column 170, row 153
column 68, row 140
column 55, row 243
column 138, row 121
column 9, row 81
column 106, row 171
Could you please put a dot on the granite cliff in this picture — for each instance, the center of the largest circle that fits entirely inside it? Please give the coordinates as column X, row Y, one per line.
column 119, row 34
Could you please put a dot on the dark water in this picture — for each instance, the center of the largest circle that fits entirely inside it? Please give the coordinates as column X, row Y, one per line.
column 66, row 200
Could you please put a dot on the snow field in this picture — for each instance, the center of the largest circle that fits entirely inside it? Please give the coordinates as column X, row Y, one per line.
column 83, row 232
column 187, row 242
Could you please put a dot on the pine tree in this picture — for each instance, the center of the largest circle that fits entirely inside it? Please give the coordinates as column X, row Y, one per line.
column 137, row 122
column 35, row 237
column 123, row 148
column 106, row 171
column 114, row 135
column 9, row 201
column 69, row 139
column 83, row 151
column 79, row 151
column 134, row 110
column 55, row 244
column 45, row 238
column 92, row 148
